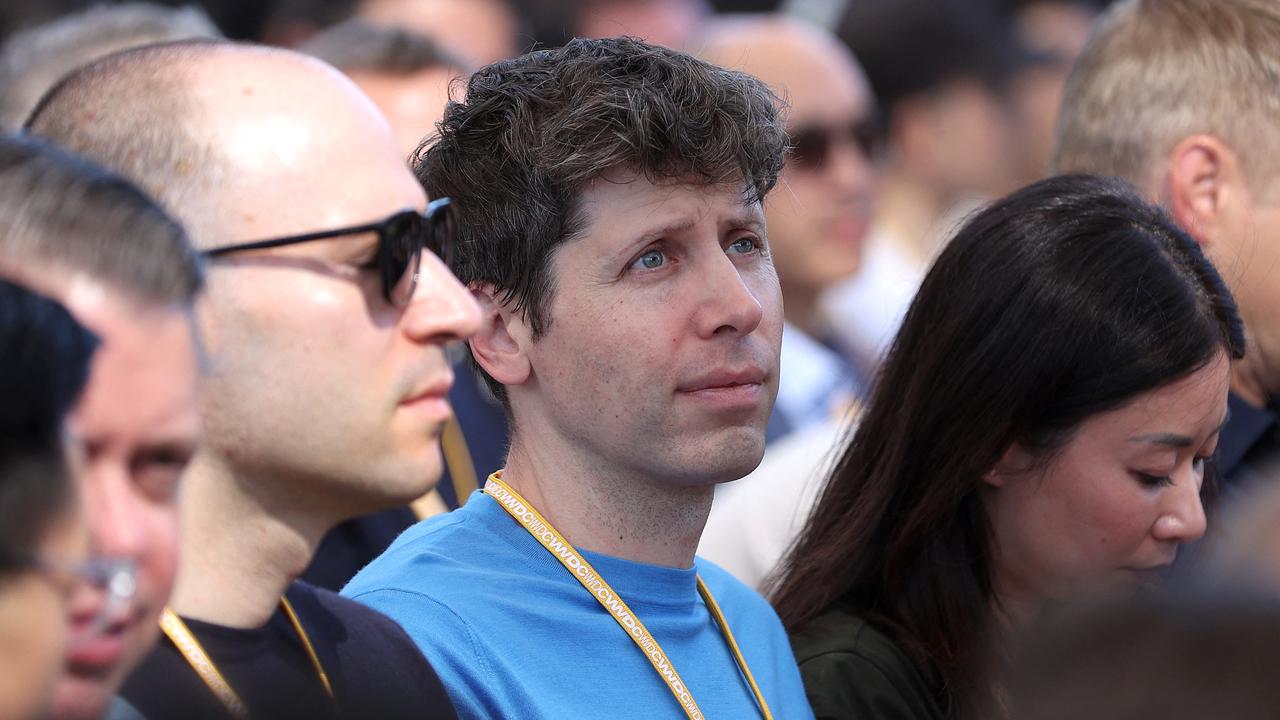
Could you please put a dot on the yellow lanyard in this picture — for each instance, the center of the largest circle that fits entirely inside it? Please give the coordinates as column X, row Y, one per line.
column 190, row 647
column 554, row 542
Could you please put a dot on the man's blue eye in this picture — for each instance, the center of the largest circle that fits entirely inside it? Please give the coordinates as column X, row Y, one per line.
column 744, row 246
column 650, row 260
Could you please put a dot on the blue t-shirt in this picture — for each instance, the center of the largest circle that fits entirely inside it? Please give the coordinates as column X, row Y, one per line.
column 513, row 635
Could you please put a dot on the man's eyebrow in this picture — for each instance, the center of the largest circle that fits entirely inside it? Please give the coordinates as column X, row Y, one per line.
column 744, row 219
column 655, row 233
column 747, row 215
column 1172, row 439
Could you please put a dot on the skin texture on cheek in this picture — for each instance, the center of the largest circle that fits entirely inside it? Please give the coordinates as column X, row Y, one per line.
column 625, row 337
column 1088, row 519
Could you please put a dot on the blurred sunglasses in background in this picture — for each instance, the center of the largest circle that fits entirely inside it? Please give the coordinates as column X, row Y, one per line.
column 812, row 145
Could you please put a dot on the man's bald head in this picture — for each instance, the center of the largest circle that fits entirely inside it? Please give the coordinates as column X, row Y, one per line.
column 207, row 125
column 131, row 112
column 781, row 51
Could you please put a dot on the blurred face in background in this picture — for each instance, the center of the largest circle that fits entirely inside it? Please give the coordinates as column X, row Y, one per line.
column 412, row 103
column 819, row 213
column 478, row 31
column 34, row 608
column 662, row 22
column 958, row 139
column 1057, row 30
column 138, row 425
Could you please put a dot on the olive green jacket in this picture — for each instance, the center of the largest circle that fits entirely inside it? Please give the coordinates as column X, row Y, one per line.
column 851, row 671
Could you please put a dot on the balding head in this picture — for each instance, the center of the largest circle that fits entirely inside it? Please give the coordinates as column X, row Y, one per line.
column 818, row 220
column 246, row 143
column 806, row 63
column 221, row 131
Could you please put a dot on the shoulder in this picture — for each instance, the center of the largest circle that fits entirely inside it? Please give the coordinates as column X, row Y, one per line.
column 849, row 667
column 729, row 591
column 349, row 620
column 448, row 544
column 747, row 612
column 376, row 667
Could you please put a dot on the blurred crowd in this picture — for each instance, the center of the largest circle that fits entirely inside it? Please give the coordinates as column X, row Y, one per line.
column 881, row 359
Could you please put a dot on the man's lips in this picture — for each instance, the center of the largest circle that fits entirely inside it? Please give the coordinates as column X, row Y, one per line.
column 724, row 379
column 94, row 649
column 726, row 390
column 431, row 399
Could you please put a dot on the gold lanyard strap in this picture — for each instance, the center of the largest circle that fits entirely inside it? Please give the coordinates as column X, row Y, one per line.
column 199, row 660
column 718, row 615
column 306, row 643
column 551, row 539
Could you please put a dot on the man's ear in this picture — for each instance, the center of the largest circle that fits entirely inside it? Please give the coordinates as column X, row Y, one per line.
column 499, row 346
column 1204, row 187
column 1016, row 461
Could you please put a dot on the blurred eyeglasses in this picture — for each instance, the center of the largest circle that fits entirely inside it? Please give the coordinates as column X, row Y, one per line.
column 117, row 578
column 401, row 238
column 812, row 145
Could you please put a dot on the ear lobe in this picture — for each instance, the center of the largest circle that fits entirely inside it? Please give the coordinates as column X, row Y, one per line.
column 499, row 345
column 1201, row 184
column 1015, row 462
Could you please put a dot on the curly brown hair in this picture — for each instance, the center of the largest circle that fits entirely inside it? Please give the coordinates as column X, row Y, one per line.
column 515, row 154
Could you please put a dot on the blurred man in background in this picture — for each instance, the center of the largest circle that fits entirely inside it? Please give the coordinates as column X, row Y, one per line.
column 940, row 70
column 126, row 271
column 33, row 60
column 406, row 74
column 1180, row 98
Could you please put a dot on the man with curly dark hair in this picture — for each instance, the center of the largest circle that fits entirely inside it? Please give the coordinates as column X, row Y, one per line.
column 611, row 227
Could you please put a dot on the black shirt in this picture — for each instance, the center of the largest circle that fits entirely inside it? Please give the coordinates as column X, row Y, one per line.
column 375, row 669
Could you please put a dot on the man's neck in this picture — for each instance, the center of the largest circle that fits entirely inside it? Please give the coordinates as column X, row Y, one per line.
column 607, row 510
column 1254, row 377
column 238, row 551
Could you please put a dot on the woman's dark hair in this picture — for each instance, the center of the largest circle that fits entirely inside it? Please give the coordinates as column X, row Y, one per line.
column 1065, row 299
column 44, row 364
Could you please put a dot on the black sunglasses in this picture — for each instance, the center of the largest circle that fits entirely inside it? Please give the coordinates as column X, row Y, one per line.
column 811, row 145
column 401, row 239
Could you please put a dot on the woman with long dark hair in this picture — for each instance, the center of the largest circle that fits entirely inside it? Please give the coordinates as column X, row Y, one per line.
column 1042, row 427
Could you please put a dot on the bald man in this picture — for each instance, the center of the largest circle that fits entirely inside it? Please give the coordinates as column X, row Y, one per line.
column 325, row 320
column 819, row 217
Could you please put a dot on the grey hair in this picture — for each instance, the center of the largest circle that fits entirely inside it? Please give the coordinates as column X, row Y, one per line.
column 34, row 60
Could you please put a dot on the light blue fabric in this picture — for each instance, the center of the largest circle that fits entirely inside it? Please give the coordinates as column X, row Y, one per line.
column 815, row 385
column 513, row 635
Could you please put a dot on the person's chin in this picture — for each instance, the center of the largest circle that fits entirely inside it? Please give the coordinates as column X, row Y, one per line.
column 83, row 696
column 735, row 453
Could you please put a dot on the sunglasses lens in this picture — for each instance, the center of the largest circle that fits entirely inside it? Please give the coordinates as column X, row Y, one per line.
column 809, row 147
column 441, row 233
column 869, row 137
column 400, row 250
